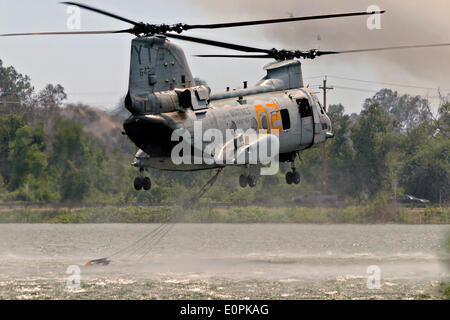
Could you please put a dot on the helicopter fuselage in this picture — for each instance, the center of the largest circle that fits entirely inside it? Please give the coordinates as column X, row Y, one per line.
column 294, row 115
column 164, row 97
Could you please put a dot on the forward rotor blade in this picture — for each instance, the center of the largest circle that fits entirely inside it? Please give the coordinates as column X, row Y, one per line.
column 321, row 53
column 258, row 22
column 217, row 43
column 63, row 33
column 233, row 56
column 312, row 54
column 112, row 15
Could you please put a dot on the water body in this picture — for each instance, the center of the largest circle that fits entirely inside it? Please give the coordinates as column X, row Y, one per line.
column 224, row 261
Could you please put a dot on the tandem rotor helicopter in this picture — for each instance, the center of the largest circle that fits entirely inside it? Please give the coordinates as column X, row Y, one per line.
column 163, row 97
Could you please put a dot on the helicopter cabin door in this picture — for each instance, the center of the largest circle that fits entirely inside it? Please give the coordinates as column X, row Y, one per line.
column 307, row 122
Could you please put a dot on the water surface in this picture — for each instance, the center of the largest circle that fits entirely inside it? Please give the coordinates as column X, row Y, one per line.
column 254, row 261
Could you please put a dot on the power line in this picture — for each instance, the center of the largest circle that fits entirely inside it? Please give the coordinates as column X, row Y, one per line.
column 365, row 90
column 356, row 89
column 388, row 83
column 374, row 91
column 314, row 77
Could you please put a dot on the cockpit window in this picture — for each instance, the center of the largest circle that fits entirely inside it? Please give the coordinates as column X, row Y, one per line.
column 321, row 108
column 316, row 100
column 305, row 108
column 264, row 124
column 285, row 119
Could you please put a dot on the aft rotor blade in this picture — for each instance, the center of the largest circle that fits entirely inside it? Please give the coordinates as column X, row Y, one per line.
column 63, row 33
column 217, row 43
column 321, row 53
column 259, row 22
column 233, row 56
column 112, row 15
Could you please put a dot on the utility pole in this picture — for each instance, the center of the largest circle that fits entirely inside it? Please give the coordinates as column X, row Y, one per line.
column 324, row 173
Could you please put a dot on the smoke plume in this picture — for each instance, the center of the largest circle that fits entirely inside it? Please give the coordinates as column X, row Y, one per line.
column 405, row 22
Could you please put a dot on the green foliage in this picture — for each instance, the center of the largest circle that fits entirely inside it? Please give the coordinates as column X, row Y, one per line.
column 52, row 96
column 381, row 211
column 26, row 155
column 13, row 85
column 426, row 173
column 340, row 154
column 369, row 138
column 206, row 214
column 409, row 111
column 8, row 129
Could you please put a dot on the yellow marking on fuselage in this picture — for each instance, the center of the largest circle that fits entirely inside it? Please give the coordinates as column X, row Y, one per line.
column 271, row 128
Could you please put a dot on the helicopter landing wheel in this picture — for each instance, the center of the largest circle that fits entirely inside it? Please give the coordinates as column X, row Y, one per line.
column 243, row 180
column 251, row 181
column 146, row 183
column 289, row 177
column 293, row 177
column 296, row 177
column 138, row 183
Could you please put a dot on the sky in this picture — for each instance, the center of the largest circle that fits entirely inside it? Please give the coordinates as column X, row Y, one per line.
column 94, row 68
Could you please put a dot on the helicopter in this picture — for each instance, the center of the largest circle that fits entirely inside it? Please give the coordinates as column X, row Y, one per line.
column 164, row 98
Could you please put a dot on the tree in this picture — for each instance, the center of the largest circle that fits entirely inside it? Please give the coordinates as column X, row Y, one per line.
column 75, row 182
column 410, row 111
column 70, row 157
column 68, row 143
column 51, row 96
column 27, row 156
column 340, row 153
column 443, row 121
column 9, row 125
column 371, row 148
column 426, row 173
column 13, row 85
